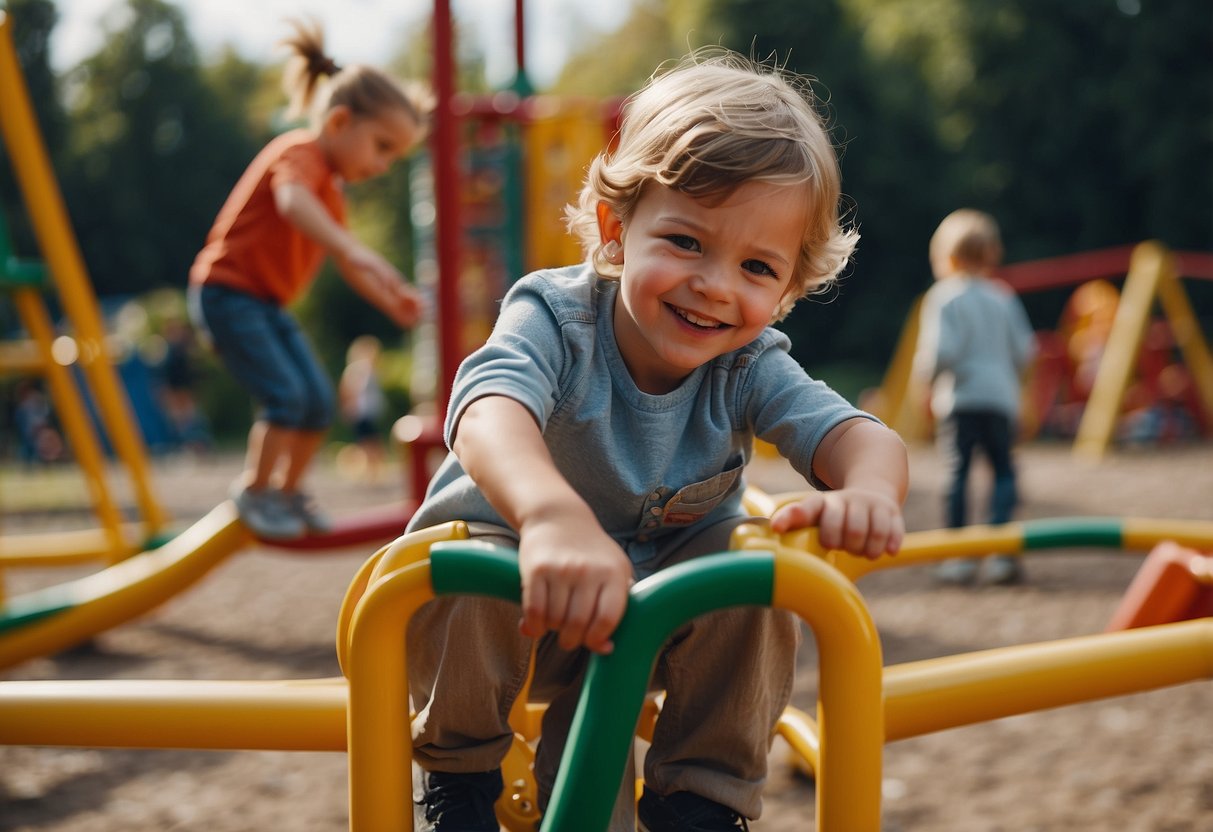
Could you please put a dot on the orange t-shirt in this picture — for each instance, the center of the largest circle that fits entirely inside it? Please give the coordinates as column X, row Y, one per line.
column 251, row 247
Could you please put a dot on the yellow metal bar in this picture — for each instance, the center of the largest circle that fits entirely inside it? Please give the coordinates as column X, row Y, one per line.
column 21, row 357
column 799, row 731
column 932, row 695
column 380, row 750
column 904, row 404
column 104, row 599
column 850, row 714
column 939, row 544
column 403, row 551
column 73, row 416
column 61, row 253
column 1148, row 264
column 296, row 715
column 1185, row 327
column 68, row 548
column 1143, row 534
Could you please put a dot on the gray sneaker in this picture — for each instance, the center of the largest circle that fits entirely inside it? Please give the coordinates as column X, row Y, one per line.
column 957, row 571
column 1003, row 570
column 265, row 514
column 301, row 505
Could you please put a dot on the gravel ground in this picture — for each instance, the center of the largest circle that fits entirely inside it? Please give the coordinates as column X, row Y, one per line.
column 1142, row 762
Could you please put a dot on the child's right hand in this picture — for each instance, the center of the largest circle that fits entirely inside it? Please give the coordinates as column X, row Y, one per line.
column 575, row 580
column 394, row 296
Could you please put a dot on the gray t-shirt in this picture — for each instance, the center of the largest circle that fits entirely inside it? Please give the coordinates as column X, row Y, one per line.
column 654, row 468
column 974, row 345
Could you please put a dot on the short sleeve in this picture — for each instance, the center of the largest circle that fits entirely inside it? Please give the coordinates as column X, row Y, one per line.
column 302, row 164
column 793, row 411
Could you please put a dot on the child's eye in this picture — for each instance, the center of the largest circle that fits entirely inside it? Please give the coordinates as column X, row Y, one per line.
column 683, row 241
column 758, row 267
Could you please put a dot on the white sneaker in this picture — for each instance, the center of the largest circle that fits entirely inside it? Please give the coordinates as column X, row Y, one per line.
column 266, row 515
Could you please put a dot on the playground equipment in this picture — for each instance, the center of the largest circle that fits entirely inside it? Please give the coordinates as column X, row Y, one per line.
column 1174, row 583
column 861, row 706
column 51, row 358
column 1109, row 354
column 495, row 162
column 139, row 576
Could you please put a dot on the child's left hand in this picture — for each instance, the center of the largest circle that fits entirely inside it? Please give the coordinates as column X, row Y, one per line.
column 409, row 304
column 861, row 521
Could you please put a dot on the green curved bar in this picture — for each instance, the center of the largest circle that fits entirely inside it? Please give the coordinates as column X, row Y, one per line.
column 1073, row 531
column 23, row 611
column 470, row 568
column 604, row 724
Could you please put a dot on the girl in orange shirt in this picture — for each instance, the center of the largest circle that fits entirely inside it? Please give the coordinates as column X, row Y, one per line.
column 285, row 214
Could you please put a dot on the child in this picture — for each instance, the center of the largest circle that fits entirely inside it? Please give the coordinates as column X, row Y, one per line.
column 286, row 212
column 603, row 430
column 362, row 400
column 975, row 344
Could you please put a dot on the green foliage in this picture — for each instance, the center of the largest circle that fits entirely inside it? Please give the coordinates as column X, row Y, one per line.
column 154, row 151
column 31, row 24
column 1079, row 125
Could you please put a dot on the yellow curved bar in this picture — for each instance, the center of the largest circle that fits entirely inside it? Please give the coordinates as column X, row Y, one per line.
column 799, row 731
column 850, row 710
column 1144, row 534
column 404, row 550
column 932, row 695
column 306, row 715
column 380, row 748
column 104, row 599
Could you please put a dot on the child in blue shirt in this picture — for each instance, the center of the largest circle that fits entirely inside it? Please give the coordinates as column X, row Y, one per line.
column 974, row 347
column 603, row 430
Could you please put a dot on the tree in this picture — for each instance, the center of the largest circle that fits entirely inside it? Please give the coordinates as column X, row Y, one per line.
column 154, row 150
column 31, row 24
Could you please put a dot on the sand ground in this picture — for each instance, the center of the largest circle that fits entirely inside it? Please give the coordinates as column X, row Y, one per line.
column 1139, row 763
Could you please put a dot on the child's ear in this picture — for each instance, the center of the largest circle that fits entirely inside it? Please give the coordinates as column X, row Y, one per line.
column 338, row 118
column 609, row 227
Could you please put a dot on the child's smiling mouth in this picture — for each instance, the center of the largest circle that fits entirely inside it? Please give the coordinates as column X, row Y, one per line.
column 694, row 320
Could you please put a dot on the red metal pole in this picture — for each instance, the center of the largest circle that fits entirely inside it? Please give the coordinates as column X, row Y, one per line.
column 520, row 37
column 445, row 149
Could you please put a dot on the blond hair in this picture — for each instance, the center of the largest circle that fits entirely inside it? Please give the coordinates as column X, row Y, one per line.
column 715, row 121
column 969, row 237
column 315, row 83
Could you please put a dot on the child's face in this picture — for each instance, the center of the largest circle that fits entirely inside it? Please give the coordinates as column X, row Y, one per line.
column 363, row 147
column 701, row 280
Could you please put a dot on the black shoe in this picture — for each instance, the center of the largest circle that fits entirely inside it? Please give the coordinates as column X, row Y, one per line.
column 459, row 802
column 685, row 812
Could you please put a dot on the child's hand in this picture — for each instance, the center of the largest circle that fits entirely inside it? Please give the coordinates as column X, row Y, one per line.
column 575, row 580
column 409, row 305
column 383, row 284
column 863, row 522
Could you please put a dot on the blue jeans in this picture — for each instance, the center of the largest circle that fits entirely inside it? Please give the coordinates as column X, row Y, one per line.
column 263, row 346
column 958, row 436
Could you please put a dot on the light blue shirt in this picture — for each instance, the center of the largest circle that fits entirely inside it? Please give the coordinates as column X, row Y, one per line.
column 975, row 343
column 654, row 468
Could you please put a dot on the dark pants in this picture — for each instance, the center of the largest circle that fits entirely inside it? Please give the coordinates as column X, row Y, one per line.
column 958, row 436
column 262, row 345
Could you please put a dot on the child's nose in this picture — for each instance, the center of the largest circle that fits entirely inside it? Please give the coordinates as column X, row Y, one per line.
column 710, row 281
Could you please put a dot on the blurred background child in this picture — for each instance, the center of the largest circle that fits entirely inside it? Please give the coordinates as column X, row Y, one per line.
column 363, row 403
column 974, row 345
column 285, row 214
